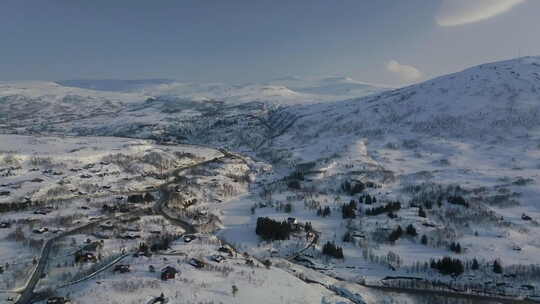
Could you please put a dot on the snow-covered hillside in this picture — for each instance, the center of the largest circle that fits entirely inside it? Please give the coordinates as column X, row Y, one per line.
column 478, row 129
column 502, row 96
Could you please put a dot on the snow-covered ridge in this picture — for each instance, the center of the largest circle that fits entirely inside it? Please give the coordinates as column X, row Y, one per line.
column 288, row 90
column 496, row 96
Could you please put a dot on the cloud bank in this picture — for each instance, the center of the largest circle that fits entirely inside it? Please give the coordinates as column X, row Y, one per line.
column 459, row 12
column 406, row 73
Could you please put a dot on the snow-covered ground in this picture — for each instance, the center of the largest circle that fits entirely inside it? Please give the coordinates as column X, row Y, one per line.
column 48, row 168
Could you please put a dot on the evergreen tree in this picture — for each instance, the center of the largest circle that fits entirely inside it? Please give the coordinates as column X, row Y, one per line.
column 411, row 230
column 396, row 234
column 497, row 267
column 424, row 240
column 421, row 212
column 455, row 247
column 288, row 208
column 448, row 266
column 389, row 207
column 368, row 200
column 475, row 265
column 348, row 211
column 326, row 211
column 332, row 250
column 269, row 229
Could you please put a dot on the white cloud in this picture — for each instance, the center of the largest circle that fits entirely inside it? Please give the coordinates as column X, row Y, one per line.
column 406, row 73
column 459, row 12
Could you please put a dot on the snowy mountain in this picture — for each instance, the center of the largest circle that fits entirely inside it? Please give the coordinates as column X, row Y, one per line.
column 115, row 85
column 289, row 90
column 339, row 86
column 502, row 96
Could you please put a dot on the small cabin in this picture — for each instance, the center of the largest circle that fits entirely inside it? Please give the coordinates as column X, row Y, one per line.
column 168, row 273
column 525, row 217
column 84, row 257
column 217, row 258
column 292, row 221
column 226, row 250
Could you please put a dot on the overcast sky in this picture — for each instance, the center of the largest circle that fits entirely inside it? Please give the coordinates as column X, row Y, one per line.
column 383, row 41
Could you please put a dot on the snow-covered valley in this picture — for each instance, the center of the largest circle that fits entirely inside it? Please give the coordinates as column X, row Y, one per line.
column 432, row 187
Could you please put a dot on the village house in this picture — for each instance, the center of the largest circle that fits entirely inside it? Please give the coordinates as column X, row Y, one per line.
column 168, row 273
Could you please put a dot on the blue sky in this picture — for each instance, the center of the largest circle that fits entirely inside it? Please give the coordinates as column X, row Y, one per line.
column 383, row 41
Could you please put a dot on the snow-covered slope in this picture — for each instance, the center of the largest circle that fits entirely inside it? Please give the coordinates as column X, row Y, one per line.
column 479, row 128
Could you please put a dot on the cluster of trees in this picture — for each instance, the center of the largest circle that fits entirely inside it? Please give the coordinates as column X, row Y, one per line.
column 139, row 198
column 395, row 234
column 455, row 247
column 161, row 242
column 411, row 230
column 324, row 212
column 458, row 200
column 448, row 266
column 333, row 250
column 367, row 199
column 349, row 210
column 389, row 207
column 352, row 188
column 269, row 229
column 17, row 206
column 294, row 184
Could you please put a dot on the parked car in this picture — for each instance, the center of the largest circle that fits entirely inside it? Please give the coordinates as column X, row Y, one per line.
column 196, row 263
column 226, row 250
column 122, row 268
column 217, row 258
column 58, row 300
column 188, row 238
column 41, row 230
